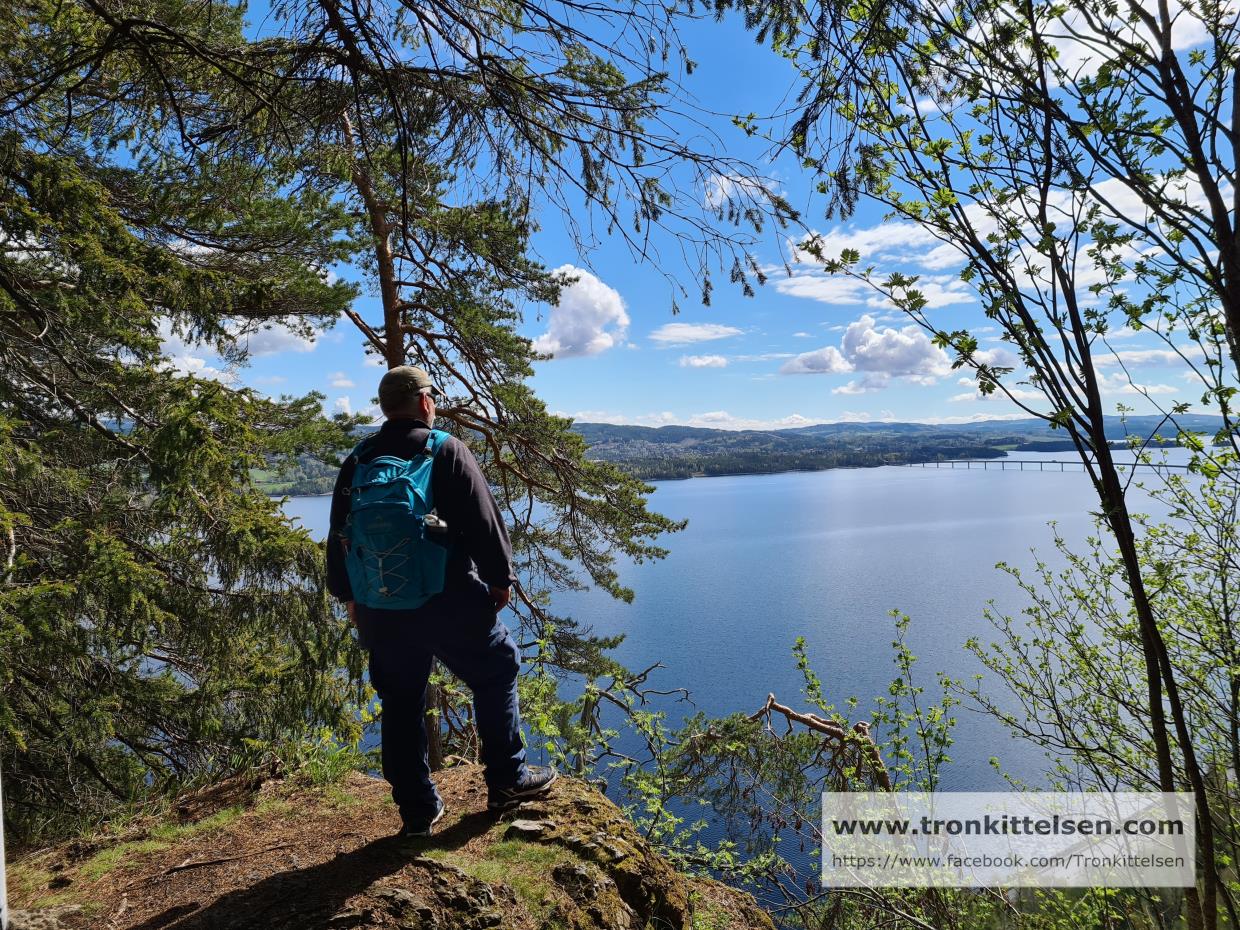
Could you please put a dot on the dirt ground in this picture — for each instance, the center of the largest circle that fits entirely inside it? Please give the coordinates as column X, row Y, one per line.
column 283, row 856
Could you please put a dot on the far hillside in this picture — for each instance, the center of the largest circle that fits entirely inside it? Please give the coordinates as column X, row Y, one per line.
column 686, row 451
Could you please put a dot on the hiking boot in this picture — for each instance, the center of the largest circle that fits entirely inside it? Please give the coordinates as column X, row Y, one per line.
column 534, row 780
column 418, row 829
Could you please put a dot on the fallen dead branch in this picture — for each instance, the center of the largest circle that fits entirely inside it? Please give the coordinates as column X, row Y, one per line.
column 859, row 734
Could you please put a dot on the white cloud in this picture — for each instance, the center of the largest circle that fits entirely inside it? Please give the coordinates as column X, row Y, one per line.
column 997, row 357
column 720, row 189
column 1022, row 394
column 711, row 419
column 763, row 357
column 703, row 361
column 802, row 336
column 590, row 318
column 721, row 419
column 273, row 339
column 874, row 381
column 939, row 290
column 343, row 405
column 827, row 361
column 679, row 334
column 662, row 418
column 1149, row 356
column 829, row 289
column 1082, row 50
column 912, row 249
column 864, row 416
column 186, row 364
column 972, row 418
column 1118, row 383
column 878, row 354
column 188, row 358
column 893, row 239
column 339, row 379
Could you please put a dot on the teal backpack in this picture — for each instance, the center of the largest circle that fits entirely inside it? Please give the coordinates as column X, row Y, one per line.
column 396, row 546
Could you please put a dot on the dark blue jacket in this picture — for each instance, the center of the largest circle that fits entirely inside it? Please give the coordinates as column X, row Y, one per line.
column 462, row 499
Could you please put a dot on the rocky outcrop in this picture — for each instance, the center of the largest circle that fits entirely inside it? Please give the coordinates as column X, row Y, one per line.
column 325, row 858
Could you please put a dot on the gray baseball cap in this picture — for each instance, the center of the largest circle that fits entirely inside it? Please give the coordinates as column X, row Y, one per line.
column 400, row 386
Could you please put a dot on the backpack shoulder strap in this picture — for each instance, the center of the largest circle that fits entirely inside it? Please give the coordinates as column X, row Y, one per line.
column 435, row 441
column 360, row 448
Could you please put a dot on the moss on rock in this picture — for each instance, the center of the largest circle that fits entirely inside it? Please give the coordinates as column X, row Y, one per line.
column 320, row 858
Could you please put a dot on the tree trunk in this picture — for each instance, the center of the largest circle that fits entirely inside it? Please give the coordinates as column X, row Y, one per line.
column 434, row 721
column 1160, row 677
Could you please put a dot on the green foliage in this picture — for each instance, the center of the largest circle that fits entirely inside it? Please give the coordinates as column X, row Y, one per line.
column 325, row 758
column 1083, row 193
column 161, row 623
column 1072, row 668
column 168, row 175
column 762, row 776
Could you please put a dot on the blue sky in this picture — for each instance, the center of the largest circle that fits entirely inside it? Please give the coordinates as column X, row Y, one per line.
column 805, row 349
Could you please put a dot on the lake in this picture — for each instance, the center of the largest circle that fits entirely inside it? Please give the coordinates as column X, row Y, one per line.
column 827, row 555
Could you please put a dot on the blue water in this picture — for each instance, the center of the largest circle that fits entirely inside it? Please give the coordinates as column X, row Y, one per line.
column 827, row 555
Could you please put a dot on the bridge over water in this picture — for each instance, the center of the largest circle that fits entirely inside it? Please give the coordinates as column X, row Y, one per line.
column 1019, row 464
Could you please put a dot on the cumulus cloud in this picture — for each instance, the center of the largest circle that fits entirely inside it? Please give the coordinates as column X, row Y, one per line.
column 590, row 318
column 997, row 357
column 186, row 364
column 1082, row 50
column 186, row 358
column 703, row 361
column 879, row 355
column 679, row 334
column 339, row 379
column 273, row 339
column 912, row 249
column 825, row 361
column 343, row 405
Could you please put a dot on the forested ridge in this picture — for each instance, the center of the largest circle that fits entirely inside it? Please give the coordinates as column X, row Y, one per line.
column 665, row 452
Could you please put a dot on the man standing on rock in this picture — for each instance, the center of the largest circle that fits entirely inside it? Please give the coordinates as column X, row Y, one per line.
column 455, row 565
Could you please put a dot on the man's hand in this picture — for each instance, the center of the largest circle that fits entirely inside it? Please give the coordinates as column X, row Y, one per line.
column 501, row 597
column 352, row 610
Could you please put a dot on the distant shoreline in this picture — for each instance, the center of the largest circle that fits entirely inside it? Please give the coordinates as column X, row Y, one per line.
column 674, row 453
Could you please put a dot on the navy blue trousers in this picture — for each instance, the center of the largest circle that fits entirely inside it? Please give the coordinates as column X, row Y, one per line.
column 461, row 629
